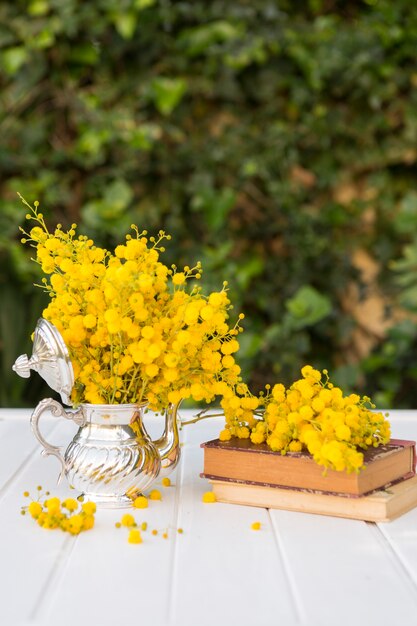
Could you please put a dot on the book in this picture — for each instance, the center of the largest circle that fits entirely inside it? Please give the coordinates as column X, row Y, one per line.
column 239, row 460
column 382, row 505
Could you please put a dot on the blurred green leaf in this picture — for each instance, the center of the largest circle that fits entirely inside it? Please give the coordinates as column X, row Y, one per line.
column 248, row 270
column 126, row 24
column 167, row 93
column 215, row 204
column 308, row 306
column 406, row 218
column 13, row 58
column 143, row 4
column 196, row 40
column 38, row 7
column 84, row 54
column 110, row 212
column 144, row 136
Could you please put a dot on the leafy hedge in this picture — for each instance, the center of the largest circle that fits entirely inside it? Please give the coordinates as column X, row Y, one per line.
column 276, row 142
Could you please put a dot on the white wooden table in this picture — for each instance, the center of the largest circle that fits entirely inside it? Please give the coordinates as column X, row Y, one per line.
column 298, row 569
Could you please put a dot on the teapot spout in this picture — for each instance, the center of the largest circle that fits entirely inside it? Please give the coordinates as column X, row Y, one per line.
column 168, row 444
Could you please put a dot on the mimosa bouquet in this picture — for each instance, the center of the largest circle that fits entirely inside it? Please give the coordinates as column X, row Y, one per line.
column 136, row 330
column 312, row 415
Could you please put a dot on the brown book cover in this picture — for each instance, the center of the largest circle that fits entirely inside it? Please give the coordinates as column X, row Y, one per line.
column 382, row 505
column 239, row 460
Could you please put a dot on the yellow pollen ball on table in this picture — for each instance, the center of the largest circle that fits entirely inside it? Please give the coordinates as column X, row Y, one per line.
column 166, row 482
column 70, row 504
column 209, row 497
column 89, row 508
column 135, row 536
column 35, row 509
column 127, row 520
column 256, row 526
column 75, row 524
column 155, row 495
column 53, row 505
column 88, row 522
column 141, row 502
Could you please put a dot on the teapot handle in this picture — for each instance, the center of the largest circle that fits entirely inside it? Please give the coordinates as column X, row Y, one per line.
column 168, row 444
column 57, row 410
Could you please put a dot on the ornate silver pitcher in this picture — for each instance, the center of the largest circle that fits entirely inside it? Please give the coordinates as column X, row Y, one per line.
column 111, row 458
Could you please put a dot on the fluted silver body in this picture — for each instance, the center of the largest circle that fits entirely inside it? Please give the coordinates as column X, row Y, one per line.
column 111, row 458
column 107, row 459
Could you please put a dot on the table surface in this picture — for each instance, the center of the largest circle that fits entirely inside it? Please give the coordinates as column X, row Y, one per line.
column 298, row 569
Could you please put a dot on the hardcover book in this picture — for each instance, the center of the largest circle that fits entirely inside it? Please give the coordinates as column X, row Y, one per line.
column 239, row 460
column 382, row 505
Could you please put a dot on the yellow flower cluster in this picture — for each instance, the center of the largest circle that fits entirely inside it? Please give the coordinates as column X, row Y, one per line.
column 134, row 330
column 70, row 515
column 311, row 415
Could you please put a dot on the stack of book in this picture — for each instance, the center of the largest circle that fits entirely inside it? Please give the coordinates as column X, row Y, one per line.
column 245, row 473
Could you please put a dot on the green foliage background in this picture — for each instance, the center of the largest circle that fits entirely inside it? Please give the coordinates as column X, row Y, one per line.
column 275, row 141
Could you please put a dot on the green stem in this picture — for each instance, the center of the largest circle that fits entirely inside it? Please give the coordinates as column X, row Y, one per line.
column 199, row 417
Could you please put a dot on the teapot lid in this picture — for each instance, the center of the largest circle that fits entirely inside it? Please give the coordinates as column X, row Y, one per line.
column 50, row 359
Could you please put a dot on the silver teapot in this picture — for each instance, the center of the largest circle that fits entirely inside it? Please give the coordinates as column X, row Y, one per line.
column 111, row 459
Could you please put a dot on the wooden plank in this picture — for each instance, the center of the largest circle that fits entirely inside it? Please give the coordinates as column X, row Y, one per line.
column 224, row 572
column 29, row 554
column 106, row 580
column 113, row 581
column 15, row 414
column 341, row 573
column 17, row 445
column 400, row 536
column 83, row 574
